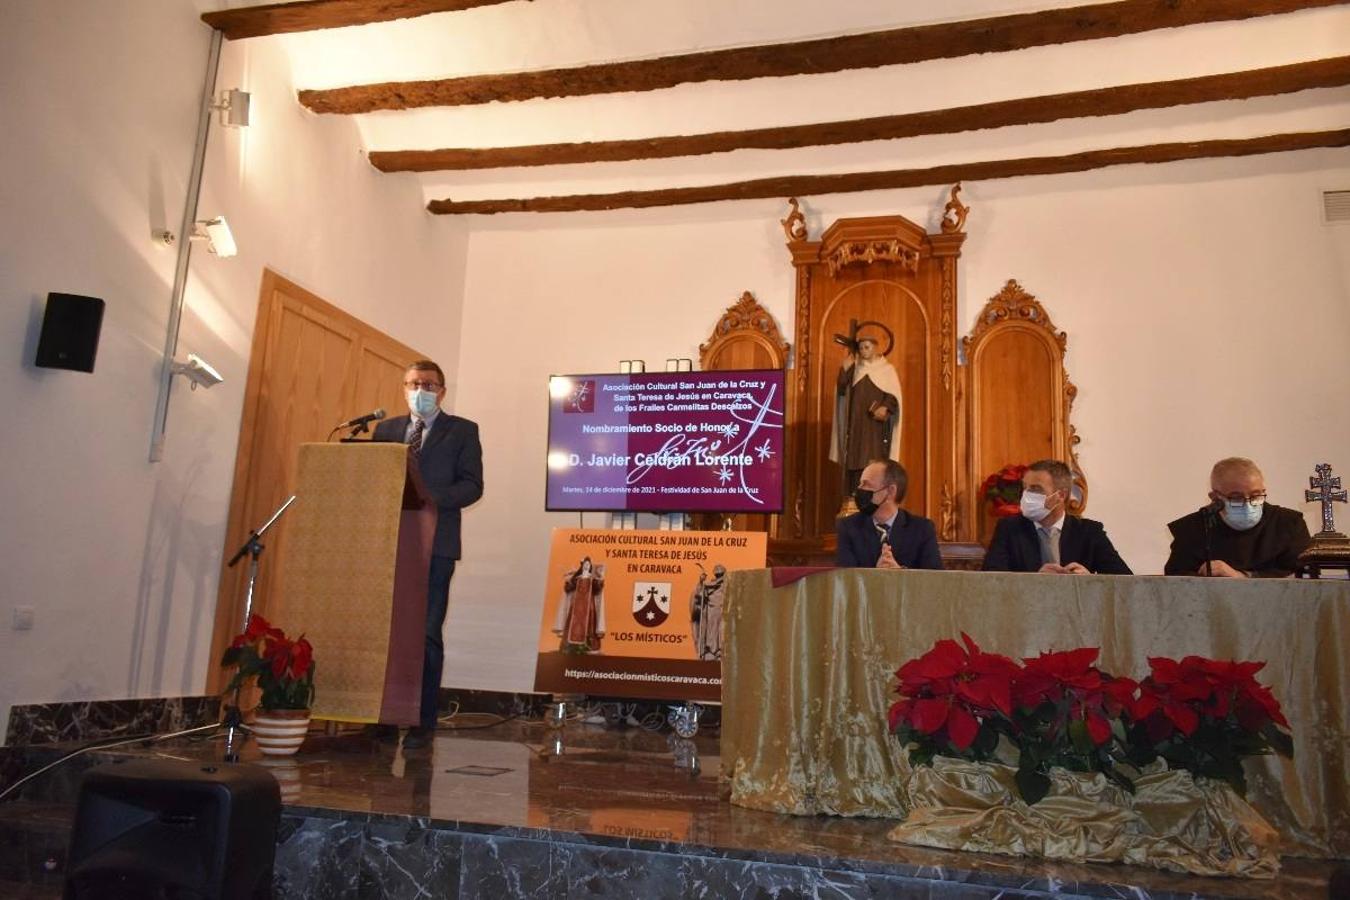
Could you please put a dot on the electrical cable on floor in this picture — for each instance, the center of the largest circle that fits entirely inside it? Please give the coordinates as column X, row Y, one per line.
column 105, row 744
column 501, row 720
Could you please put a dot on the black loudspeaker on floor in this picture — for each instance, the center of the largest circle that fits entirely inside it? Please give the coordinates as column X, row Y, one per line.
column 173, row 830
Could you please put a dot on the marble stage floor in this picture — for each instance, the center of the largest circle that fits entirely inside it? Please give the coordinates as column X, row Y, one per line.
column 507, row 811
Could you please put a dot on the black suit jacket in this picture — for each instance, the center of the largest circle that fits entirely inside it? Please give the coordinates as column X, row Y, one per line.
column 1270, row 550
column 913, row 542
column 1016, row 548
column 451, row 463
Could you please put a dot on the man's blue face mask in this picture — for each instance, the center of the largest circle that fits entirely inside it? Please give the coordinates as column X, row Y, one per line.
column 421, row 403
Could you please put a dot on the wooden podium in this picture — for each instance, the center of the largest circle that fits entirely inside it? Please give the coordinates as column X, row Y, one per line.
column 354, row 579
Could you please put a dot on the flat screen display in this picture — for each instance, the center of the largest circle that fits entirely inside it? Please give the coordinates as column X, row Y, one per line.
column 666, row 442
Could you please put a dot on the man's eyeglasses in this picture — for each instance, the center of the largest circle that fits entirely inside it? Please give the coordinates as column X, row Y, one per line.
column 422, row 385
column 1253, row 499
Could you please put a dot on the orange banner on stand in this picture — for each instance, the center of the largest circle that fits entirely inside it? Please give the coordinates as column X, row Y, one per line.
column 639, row 613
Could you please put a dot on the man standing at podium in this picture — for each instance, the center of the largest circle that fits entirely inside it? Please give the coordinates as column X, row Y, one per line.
column 450, row 460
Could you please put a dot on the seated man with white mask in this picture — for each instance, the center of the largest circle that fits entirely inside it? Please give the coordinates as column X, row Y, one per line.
column 1239, row 534
column 1044, row 538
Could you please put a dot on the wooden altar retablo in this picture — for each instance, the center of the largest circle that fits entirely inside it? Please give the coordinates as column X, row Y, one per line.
column 968, row 407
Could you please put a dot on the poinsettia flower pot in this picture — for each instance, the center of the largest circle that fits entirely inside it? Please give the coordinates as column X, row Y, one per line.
column 280, row 732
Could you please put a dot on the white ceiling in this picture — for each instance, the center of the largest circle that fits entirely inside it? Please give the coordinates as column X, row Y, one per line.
column 518, row 36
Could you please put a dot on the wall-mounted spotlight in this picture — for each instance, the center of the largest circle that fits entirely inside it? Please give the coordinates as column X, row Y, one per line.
column 216, row 232
column 233, row 106
column 197, row 371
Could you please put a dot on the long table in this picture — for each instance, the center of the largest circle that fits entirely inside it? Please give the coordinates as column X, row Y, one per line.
column 808, row 674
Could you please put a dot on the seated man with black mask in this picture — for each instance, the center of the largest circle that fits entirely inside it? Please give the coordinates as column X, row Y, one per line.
column 1239, row 535
column 1045, row 538
column 881, row 535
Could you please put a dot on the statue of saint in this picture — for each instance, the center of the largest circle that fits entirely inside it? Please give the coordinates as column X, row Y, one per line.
column 867, row 411
column 705, row 613
column 581, row 615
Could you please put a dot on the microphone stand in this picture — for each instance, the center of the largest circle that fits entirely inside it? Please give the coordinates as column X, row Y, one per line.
column 1207, row 520
column 352, row 438
column 253, row 548
column 360, row 428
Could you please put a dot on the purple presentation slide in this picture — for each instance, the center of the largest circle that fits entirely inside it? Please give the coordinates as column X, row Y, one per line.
column 666, row 442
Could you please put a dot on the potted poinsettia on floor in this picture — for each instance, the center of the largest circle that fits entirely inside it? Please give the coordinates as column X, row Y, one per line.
column 283, row 671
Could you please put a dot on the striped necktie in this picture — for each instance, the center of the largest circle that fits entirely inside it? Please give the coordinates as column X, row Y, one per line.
column 1049, row 544
column 415, row 442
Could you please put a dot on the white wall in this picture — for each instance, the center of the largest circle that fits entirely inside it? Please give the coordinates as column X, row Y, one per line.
column 119, row 556
column 1206, row 304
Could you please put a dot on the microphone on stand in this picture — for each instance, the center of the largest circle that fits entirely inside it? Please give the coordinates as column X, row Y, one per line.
column 360, row 421
column 1209, row 514
column 358, row 425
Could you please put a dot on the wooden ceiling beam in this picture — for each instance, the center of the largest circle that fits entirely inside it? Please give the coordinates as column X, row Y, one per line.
column 807, row 185
column 313, row 15
column 1322, row 73
column 836, row 54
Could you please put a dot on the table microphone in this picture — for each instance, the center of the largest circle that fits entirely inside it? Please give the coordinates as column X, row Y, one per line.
column 369, row 417
column 1209, row 514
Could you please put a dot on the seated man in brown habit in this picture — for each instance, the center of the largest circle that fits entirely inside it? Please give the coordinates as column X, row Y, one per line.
column 1239, row 534
column 1044, row 538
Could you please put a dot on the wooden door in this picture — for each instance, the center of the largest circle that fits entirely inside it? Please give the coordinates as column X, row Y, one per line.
column 311, row 366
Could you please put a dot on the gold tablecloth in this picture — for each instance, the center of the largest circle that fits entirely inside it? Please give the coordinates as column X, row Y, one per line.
column 808, row 674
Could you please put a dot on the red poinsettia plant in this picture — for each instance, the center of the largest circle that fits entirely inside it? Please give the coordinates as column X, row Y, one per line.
column 954, row 701
column 1003, row 490
column 1069, row 713
column 1059, row 709
column 1206, row 715
column 282, row 668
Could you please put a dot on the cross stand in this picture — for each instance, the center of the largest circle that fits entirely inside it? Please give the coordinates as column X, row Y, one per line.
column 1330, row 549
column 253, row 548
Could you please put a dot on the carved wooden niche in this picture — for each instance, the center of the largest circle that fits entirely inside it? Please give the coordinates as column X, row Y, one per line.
column 884, row 269
column 1016, row 398
column 745, row 337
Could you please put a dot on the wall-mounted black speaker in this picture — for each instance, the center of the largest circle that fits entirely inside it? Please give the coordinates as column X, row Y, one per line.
column 166, row 828
column 70, row 330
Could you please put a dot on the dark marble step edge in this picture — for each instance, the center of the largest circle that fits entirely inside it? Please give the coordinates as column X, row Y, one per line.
column 964, row 873
column 832, row 861
column 47, row 819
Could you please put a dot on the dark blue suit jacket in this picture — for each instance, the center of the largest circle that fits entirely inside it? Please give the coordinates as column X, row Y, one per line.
column 913, row 542
column 451, row 463
column 1016, row 547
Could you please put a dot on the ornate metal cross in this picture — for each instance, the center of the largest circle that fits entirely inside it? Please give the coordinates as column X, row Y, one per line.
column 1326, row 490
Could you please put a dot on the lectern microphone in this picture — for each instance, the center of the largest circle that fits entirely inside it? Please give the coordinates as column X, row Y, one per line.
column 363, row 420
